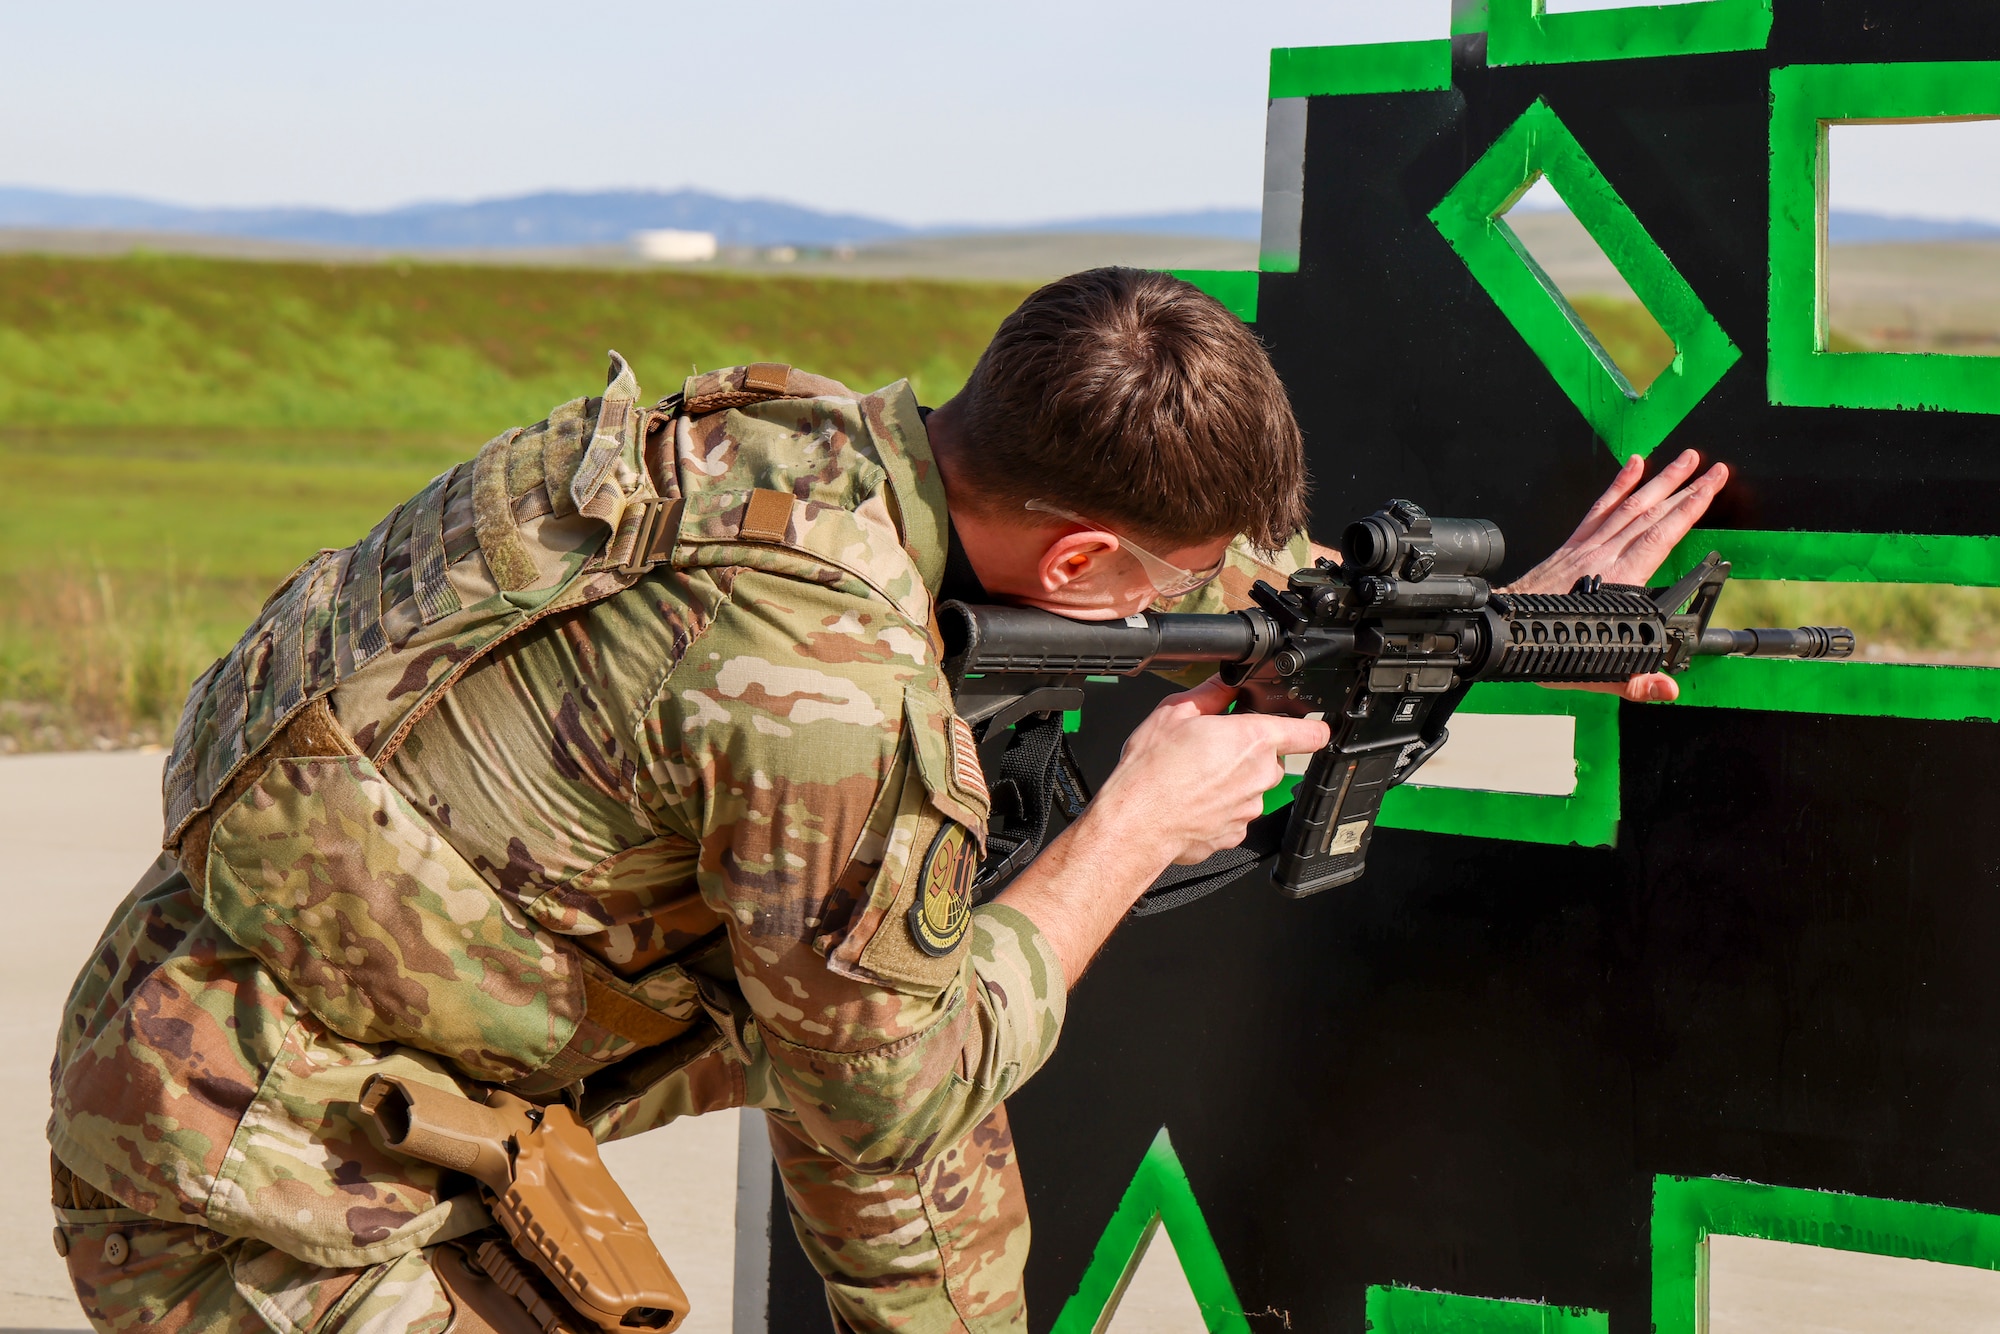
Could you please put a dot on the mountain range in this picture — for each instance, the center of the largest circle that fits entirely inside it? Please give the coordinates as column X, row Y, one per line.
column 609, row 217
column 556, row 218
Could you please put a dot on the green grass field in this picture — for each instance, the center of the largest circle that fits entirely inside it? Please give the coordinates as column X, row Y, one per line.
column 176, row 434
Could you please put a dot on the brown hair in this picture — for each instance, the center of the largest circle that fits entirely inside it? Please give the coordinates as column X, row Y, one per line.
column 1136, row 399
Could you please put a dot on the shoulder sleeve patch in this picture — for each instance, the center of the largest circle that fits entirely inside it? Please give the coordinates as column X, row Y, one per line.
column 941, row 909
column 948, row 760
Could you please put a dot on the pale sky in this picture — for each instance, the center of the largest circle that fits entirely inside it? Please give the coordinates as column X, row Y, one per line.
column 921, row 112
column 1017, row 111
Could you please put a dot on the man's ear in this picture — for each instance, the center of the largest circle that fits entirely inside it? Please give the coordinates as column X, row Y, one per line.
column 1072, row 556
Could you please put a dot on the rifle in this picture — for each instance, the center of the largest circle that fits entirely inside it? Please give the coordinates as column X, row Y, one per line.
column 1384, row 644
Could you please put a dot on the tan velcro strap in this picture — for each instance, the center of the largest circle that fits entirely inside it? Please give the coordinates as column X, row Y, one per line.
column 627, row 1018
column 767, row 377
column 768, row 516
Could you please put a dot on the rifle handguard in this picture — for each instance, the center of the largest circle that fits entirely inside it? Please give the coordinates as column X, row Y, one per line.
column 550, row 1192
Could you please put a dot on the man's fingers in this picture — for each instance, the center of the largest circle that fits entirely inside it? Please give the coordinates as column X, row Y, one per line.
column 1211, row 696
column 1648, row 543
column 1655, row 688
column 1621, row 486
column 1642, row 501
column 1297, row 736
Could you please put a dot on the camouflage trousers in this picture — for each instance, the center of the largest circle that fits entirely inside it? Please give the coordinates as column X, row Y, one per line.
column 938, row 1250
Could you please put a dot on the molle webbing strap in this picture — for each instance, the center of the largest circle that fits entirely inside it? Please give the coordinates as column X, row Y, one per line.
column 598, row 489
column 361, row 599
column 436, row 598
column 507, row 555
column 767, row 516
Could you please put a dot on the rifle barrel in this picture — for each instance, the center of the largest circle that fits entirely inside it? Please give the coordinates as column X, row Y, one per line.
column 1808, row 641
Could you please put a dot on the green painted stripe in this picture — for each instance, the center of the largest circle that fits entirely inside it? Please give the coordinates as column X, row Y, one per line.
column 1846, row 558
column 1855, row 689
column 1688, row 1209
column 1518, row 33
column 1236, row 289
column 1381, row 67
column 1159, row 1195
column 1394, row 1310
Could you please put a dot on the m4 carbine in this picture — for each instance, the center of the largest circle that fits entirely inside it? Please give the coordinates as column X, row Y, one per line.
column 1384, row 644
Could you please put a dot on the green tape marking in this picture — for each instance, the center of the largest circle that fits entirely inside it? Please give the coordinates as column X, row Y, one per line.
column 1853, row 689
column 1520, row 32
column 1686, row 1210
column 1844, row 558
column 1380, row 67
column 1469, row 217
column 1805, row 99
column 1159, row 1196
column 1395, row 1310
column 1236, row 289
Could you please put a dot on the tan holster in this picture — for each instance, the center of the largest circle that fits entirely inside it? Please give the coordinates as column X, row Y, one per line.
column 591, row 1264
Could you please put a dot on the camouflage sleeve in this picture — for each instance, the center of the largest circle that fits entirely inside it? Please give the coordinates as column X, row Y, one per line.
column 802, row 743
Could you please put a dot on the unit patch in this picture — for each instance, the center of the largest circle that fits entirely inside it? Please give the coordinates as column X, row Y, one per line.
column 942, row 909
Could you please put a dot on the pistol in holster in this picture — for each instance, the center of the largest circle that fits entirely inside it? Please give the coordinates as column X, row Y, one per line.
column 545, row 1184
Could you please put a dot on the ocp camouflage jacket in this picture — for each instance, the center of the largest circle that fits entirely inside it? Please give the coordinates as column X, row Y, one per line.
column 616, row 749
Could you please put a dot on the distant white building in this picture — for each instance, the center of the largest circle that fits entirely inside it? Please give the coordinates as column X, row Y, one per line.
column 674, row 247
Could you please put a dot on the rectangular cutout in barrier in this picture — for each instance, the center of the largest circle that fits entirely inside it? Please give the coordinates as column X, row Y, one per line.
column 1471, row 219
column 1807, row 369
column 1925, row 284
column 1862, row 688
column 1535, row 32
column 1587, row 816
column 1613, row 317
column 1750, row 1285
column 1529, row 753
column 1939, row 624
column 1690, row 1214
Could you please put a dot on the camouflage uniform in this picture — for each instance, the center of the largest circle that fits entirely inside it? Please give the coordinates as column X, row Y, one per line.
column 615, row 766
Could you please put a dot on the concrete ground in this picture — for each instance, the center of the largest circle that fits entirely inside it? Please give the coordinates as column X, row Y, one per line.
column 78, row 830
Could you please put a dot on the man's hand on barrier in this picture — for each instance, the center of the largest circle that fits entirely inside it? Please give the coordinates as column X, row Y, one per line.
column 1188, row 783
column 1627, row 534
column 1623, row 539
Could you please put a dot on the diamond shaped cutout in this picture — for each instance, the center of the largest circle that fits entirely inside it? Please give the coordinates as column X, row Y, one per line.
column 1470, row 218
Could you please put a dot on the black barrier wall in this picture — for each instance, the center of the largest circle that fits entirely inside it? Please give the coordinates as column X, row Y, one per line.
column 1538, row 1050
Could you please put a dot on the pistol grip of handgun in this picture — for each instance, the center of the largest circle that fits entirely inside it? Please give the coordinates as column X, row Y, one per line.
column 1333, row 819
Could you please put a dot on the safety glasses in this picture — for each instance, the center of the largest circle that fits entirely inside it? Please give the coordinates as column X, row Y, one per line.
column 1168, row 579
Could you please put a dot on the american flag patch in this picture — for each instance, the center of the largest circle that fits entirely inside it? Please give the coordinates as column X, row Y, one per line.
column 966, row 774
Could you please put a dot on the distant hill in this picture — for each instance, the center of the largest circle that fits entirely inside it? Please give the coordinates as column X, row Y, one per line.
column 552, row 218
column 1859, row 228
